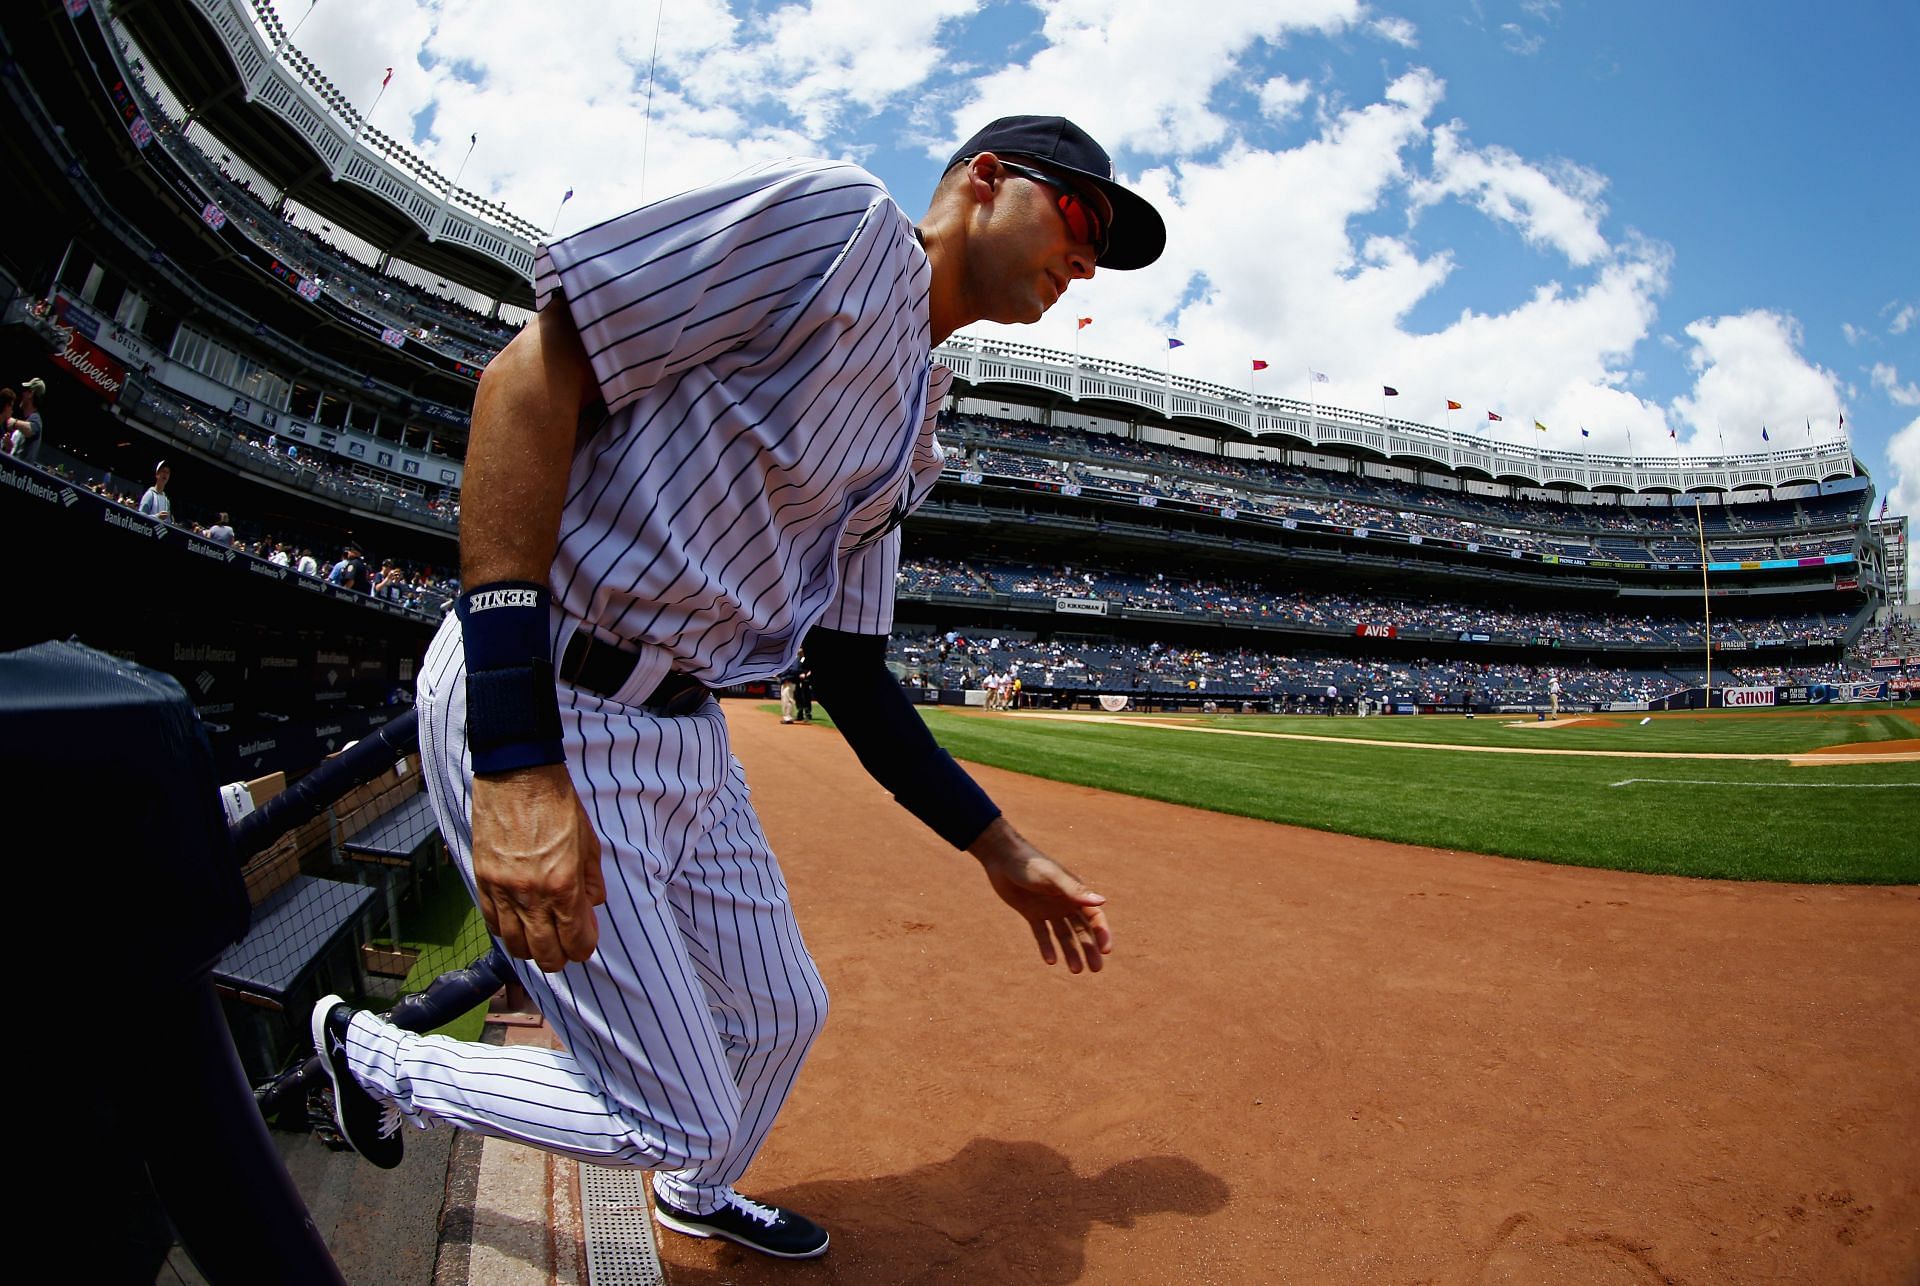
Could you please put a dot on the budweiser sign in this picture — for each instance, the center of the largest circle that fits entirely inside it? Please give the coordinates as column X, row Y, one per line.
column 98, row 369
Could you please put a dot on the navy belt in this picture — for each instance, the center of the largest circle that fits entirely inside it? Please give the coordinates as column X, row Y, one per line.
column 605, row 669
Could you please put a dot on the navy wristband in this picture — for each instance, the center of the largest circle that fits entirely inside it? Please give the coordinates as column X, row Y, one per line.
column 513, row 712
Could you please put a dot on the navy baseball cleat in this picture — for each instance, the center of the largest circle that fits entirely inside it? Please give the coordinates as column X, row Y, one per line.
column 767, row 1229
column 371, row 1128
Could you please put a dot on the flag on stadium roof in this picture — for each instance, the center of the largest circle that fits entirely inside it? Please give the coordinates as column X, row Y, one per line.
column 1763, row 434
column 1388, row 390
column 1584, row 433
column 386, row 78
column 1539, row 426
column 1319, row 377
column 1173, row 343
column 1259, row 365
column 1674, row 434
column 1452, row 405
column 568, row 197
column 1493, row 415
column 1883, row 506
column 1083, row 323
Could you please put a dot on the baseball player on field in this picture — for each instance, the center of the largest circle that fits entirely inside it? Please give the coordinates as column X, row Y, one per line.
column 695, row 459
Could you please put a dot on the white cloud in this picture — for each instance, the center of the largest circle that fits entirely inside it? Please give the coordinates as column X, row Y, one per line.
column 1520, row 41
column 1320, row 293
column 1281, row 99
column 1887, row 379
column 566, row 104
column 1902, row 319
column 1560, row 209
column 824, row 58
column 1141, row 73
column 1749, row 372
column 1854, row 333
column 1903, row 497
column 1400, row 31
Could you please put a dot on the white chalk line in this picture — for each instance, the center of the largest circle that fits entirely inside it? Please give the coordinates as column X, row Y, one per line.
column 1771, row 785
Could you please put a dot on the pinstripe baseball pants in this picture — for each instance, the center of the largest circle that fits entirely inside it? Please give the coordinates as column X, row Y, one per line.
column 686, row 1029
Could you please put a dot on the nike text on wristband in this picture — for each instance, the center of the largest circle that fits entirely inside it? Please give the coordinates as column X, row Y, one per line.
column 513, row 713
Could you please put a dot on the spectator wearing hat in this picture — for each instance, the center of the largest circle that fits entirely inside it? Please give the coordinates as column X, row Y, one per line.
column 154, row 503
column 351, row 571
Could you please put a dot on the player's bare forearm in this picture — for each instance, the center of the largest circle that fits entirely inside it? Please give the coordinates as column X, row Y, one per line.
column 525, row 421
column 1068, row 919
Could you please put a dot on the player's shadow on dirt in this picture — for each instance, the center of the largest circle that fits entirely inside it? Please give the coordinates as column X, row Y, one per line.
column 995, row 1212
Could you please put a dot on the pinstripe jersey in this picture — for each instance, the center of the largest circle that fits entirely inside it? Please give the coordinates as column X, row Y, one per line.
column 763, row 349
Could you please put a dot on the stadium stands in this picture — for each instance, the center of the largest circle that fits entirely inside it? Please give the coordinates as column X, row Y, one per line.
column 1177, row 567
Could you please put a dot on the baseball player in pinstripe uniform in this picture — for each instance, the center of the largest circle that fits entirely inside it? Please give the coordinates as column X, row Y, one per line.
column 695, row 459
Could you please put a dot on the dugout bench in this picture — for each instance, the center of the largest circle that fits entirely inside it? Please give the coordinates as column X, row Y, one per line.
column 309, row 928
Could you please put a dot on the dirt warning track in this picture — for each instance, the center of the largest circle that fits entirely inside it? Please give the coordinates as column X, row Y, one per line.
column 1313, row 1058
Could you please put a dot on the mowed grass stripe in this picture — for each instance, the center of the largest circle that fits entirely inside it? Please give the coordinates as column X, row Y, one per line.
column 1760, row 733
column 1550, row 808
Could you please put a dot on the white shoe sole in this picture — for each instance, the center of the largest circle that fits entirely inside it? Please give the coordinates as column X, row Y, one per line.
column 666, row 1220
column 317, row 1025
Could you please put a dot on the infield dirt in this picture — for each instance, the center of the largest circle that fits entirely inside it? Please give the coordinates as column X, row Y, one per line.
column 1313, row 1058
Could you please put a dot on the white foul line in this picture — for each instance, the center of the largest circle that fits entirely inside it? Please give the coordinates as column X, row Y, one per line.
column 1773, row 785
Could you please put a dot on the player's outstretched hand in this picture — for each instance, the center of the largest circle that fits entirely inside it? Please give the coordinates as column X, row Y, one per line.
column 536, row 862
column 1068, row 919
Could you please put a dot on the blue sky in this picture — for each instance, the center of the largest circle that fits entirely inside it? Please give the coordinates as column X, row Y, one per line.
column 1628, row 216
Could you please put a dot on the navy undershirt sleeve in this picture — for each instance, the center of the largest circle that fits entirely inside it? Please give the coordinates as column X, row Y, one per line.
column 851, row 679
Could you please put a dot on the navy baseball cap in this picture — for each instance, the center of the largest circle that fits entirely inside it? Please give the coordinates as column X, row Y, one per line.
column 1138, row 234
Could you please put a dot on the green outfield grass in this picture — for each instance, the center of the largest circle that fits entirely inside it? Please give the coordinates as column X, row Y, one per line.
column 449, row 932
column 1732, row 819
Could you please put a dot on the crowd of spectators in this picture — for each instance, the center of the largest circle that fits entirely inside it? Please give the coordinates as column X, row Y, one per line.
column 1893, row 637
column 260, row 451
column 1295, row 679
column 1344, row 611
column 418, row 586
column 438, row 321
column 990, row 445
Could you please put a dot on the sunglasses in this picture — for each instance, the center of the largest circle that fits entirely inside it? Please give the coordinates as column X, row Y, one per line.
column 1082, row 218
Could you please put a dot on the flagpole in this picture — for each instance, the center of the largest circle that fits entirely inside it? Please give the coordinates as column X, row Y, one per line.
column 366, row 117
column 553, row 225
column 1706, row 600
column 288, row 39
column 473, row 140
